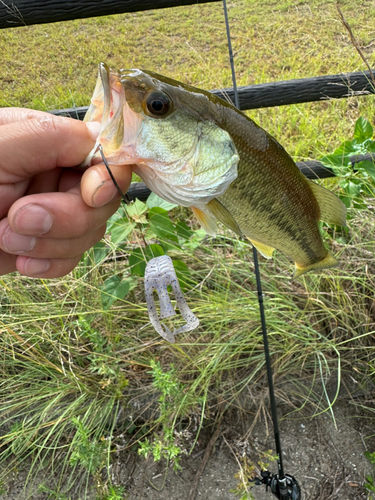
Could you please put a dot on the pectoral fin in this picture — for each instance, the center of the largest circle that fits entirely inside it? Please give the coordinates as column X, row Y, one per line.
column 332, row 209
column 264, row 250
column 206, row 221
column 223, row 215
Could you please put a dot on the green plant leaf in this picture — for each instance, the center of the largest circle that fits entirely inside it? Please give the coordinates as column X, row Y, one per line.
column 116, row 288
column 347, row 201
column 158, row 211
column 353, row 187
column 155, row 201
column 137, row 262
column 120, row 230
column 96, row 254
column 195, row 240
column 363, row 130
column 182, row 273
column 162, row 226
column 181, row 267
column 136, row 210
column 370, row 456
column 183, row 231
column 154, row 250
column 138, row 258
column 370, row 146
column 100, row 251
column 368, row 166
column 370, row 483
column 115, row 217
column 340, row 158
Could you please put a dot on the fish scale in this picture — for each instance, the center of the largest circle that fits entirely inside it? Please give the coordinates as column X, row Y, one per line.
column 192, row 148
column 301, row 209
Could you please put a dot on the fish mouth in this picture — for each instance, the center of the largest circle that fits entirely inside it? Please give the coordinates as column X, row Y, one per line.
column 109, row 108
column 104, row 78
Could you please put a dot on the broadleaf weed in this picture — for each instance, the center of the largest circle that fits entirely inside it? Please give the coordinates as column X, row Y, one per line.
column 172, row 395
column 50, row 373
column 88, row 452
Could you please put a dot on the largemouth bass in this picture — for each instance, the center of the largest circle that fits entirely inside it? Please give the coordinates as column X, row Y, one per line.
column 192, row 148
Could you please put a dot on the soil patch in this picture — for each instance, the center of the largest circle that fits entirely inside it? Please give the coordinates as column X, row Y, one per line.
column 328, row 462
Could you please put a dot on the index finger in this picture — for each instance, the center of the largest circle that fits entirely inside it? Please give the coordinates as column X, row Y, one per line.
column 10, row 115
column 35, row 145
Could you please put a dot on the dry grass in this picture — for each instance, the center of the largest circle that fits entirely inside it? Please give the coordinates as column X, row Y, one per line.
column 58, row 343
column 54, row 66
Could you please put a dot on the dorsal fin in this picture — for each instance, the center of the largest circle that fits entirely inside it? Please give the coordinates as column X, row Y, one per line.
column 332, row 209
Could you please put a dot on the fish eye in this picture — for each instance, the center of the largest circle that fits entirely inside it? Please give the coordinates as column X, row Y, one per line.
column 158, row 104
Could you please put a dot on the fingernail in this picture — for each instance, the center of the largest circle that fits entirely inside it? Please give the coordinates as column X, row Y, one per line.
column 36, row 266
column 17, row 243
column 93, row 128
column 32, row 220
column 104, row 193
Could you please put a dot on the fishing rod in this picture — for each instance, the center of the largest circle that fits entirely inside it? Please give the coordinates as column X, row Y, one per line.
column 282, row 486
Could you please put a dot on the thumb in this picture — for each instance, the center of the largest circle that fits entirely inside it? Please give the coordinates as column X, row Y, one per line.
column 29, row 147
column 97, row 187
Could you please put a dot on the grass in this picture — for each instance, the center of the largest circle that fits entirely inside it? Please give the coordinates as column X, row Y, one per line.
column 320, row 330
column 78, row 380
column 54, row 66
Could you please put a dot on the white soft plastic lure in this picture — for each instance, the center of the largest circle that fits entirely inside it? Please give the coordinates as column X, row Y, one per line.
column 158, row 275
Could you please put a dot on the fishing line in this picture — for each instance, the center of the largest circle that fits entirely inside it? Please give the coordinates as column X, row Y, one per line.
column 125, row 197
column 282, row 486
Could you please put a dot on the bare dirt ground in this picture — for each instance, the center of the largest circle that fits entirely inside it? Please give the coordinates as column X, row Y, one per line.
column 327, row 461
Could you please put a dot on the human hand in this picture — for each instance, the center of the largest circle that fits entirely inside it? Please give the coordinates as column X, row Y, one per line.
column 50, row 213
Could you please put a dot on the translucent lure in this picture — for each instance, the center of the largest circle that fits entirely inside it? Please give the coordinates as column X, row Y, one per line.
column 158, row 275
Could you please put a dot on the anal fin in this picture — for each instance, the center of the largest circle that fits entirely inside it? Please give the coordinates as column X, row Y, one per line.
column 326, row 263
column 264, row 250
